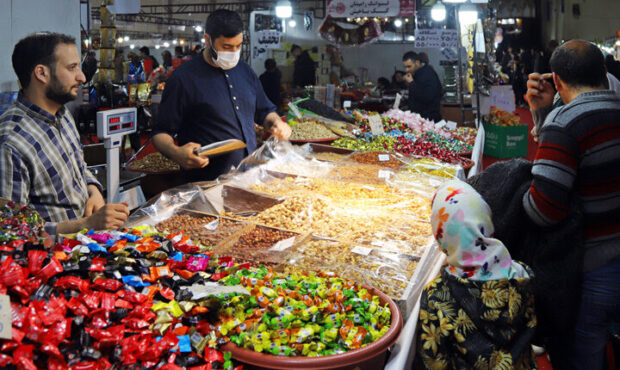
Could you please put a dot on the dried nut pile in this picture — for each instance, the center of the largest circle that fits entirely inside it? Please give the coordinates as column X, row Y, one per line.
column 254, row 246
column 207, row 230
column 360, row 173
column 311, row 130
column 328, row 156
column 383, row 159
column 154, row 162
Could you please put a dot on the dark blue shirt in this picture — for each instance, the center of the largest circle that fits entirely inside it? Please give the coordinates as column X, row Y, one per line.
column 205, row 104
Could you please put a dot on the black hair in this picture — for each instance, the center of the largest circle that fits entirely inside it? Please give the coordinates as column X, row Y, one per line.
column 223, row 22
column 423, row 57
column 178, row 50
column 579, row 63
column 35, row 49
column 295, row 47
column 410, row 55
column 270, row 64
column 145, row 50
column 383, row 81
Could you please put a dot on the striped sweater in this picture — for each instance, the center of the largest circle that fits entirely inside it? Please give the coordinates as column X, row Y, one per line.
column 580, row 149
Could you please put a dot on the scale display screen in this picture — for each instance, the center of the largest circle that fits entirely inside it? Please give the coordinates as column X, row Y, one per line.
column 116, row 121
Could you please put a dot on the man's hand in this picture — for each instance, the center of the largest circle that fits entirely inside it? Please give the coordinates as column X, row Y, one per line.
column 539, row 91
column 110, row 216
column 408, row 78
column 186, row 157
column 280, row 129
column 95, row 201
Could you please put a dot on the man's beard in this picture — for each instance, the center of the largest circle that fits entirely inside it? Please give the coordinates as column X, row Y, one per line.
column 57, row 93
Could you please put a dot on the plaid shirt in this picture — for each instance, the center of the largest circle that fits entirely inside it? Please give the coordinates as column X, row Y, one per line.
column 42, row 163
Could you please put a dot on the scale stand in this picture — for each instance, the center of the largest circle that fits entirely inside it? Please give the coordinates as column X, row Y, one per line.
column 112, row 125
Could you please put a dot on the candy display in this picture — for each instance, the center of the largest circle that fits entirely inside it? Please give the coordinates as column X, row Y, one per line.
column 451, row 144
column 311, row 130
column 116, row 298
column 431, row 167
column 153, row 162
column 381, row 158
column 301, row 315
column 502, row 118
column 19, row 225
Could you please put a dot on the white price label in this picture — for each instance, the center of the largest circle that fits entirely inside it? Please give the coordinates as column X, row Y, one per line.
column 361, row 250
column 283, row 245
column 346, row 104
column 383, row 174
column 397, row 101
column 5, row 317
column 211, row 226
column 451, row 125
column 384, row 157
column 376, row 125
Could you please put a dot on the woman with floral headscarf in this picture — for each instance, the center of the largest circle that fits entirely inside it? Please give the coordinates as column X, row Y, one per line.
column 479, row 312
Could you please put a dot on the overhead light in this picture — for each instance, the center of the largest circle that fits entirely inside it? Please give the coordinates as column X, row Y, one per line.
column 132, row 46
column 410, row 38
column 126, row 38
column 86, row 42
column 198, row 28
column 182, row 42
column 203, row 40
column 438, row 12
column 284, row 9
column 166, row 44
column 406, row 20
column 292, row 23
column 454, row 1
column 156, row 46
column 468, row 14
column 120, row 40
column 174, row 42
column 398, row 23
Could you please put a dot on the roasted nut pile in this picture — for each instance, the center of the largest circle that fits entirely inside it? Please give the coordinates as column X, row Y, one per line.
column 360, row 173
column 154, row 162
column 203, row 229
column 383, row 159
column 328, row 156
column 311, row 130
column 254, row 246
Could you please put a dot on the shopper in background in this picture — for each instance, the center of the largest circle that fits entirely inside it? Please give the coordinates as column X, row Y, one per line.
column 211, row 98
column 41, row 160
column 613, row 66
column 270, row 80
column 178, row 52
column 398, row 81
column 119, row 69
column 136, row 72
column 383, row 84
column 579, row 151
column 479, row 312
column 425, row 90
column 145, row 53
column 89, row 65
column 304, row 69
column 166, row 57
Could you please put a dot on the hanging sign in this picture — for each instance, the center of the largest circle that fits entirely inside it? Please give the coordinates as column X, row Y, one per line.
column 363, row 8
column 268, row 39
column 435, row 38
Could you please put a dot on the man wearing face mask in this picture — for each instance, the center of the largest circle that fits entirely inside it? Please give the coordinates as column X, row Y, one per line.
column 211, row 98
column 41, row 160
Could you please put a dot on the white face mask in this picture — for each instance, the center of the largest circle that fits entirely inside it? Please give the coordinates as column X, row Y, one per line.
column 226, row 59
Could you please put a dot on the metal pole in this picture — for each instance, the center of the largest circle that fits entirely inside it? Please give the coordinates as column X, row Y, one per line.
column 460, row 77
column 476, row 76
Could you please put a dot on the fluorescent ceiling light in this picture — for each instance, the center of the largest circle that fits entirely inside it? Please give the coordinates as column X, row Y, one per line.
column 284, row 9
column 398, row 23
column 468, row 14
column 292, row 23
column 438, row 12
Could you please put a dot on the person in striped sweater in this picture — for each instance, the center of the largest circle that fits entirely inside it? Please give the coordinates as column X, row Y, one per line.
column 580, row 151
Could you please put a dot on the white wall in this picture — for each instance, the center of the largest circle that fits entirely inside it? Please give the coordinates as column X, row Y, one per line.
column 598, row 20
column 18, row 18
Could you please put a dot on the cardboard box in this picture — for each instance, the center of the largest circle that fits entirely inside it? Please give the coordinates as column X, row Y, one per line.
column 505, row 141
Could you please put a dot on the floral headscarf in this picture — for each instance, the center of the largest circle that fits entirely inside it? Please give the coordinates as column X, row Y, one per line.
column 462, row 225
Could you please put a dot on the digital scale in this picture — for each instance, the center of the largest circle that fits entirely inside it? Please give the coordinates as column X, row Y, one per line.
column 112, row 125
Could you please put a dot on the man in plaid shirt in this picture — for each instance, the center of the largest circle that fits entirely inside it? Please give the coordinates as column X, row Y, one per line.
column 41, row 159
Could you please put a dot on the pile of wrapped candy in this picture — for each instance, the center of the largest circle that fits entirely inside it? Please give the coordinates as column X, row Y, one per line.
column 413, row 121
column 117, row 298
column 18, row 225
column 448, row 143
column 301, row 315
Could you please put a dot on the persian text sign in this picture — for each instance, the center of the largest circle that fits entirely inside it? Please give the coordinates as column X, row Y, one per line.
column 363, row 8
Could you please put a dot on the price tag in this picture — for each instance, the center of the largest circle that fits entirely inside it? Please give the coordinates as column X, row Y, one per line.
column 451, row 125
column 383, row 174
column 5, row 317
column 283, row 245
column 384, row 157
column 211, row 226
column 346, row 104
column 376, row 125
column 397, row 101
column 361, row 250
column 440, row 124
column 200, row 291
